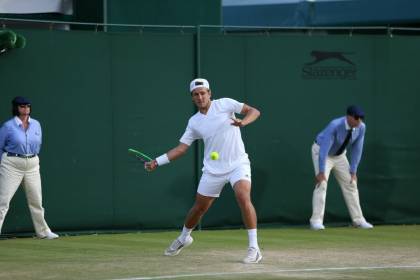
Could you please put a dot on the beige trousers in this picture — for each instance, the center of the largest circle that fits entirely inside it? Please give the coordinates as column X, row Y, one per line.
column 341, row 169
column 15, row 171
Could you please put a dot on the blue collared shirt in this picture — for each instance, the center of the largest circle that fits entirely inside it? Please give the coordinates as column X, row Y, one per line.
column 331, row 138
column 14, row 139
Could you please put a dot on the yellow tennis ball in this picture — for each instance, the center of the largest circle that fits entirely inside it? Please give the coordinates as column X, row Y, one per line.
column 214, row 155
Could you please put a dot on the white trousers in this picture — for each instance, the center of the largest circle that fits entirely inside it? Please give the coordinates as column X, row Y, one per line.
column 341, row 169
column 15, row 171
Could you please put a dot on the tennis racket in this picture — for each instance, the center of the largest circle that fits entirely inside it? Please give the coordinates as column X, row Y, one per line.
column 140, row 155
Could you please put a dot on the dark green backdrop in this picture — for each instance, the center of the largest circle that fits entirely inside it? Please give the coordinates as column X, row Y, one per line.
column 97, row 94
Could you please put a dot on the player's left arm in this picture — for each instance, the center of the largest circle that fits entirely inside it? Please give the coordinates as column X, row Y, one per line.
column 356, row 154
column 250, row 115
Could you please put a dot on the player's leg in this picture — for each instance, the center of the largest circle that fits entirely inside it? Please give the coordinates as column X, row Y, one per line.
column 240, row 179
column 10, row 179
column 242, row 190
column 201, row 205
column 320, row 191
column 350, row 191
column 208, row 190
column 33, row 191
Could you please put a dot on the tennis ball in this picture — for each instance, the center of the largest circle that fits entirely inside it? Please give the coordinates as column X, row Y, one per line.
column 214, row 155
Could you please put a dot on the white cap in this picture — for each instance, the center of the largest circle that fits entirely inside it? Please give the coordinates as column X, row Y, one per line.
column 196, row 83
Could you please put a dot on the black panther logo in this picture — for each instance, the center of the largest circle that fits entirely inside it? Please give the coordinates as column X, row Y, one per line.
column 321, row 56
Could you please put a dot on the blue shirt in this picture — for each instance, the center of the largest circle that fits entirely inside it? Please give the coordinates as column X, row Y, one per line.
column 14, row 139
column 333, row 136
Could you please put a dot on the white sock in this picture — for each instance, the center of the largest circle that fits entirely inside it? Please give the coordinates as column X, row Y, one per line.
column 252, row 236
column 185, row 233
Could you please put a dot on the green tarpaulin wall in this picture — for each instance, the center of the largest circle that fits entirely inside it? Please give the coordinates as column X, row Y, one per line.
column 97, row 94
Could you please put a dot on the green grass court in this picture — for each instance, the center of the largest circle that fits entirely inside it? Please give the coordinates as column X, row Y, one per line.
column 386, row 252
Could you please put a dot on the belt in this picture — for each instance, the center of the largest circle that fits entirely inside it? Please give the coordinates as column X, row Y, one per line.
column 19, row 155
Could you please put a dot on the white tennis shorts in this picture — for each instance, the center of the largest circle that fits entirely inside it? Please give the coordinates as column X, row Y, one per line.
column 212, row 185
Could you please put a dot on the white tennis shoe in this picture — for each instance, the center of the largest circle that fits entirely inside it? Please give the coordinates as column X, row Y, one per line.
column 177, row 246
column 317, row 226
column 364, row 225
column 48, row 235
column 253, row 256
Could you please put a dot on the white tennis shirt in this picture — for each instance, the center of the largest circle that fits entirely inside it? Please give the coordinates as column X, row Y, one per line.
column 218, row 135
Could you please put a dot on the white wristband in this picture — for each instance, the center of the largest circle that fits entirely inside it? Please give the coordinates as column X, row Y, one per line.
column 162, row 160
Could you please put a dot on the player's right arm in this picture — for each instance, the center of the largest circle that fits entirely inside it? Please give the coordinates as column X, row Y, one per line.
column 178, row 151
column 186, row 140
column 172, row 154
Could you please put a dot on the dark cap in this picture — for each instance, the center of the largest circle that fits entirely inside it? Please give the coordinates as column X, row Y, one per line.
column 355, row 111
column 20, row 100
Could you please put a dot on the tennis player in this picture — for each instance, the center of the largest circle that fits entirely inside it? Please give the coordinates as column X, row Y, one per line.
column 216, row 124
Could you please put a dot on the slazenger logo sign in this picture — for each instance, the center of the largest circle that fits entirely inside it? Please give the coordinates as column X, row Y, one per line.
column 327, row 65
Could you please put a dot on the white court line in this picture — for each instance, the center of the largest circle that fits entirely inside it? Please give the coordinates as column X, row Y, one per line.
column 270, row 271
